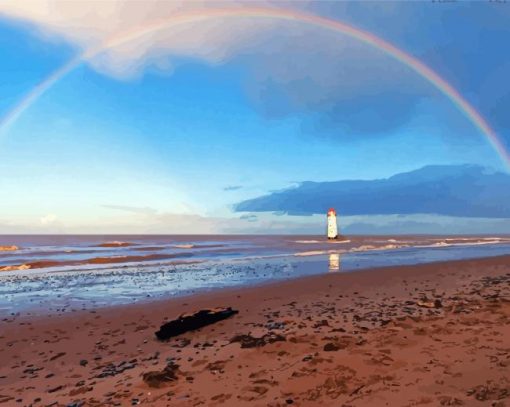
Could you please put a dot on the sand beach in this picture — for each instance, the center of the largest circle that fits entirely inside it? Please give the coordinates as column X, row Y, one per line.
column 431, row 334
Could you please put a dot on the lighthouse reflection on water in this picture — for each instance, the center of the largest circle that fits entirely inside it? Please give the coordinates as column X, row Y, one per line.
column 334, row 262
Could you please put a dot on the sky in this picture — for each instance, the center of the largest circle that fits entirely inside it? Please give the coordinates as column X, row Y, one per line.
column 168, row 130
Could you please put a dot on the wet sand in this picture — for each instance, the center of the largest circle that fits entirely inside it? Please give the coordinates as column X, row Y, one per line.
column 433, row 334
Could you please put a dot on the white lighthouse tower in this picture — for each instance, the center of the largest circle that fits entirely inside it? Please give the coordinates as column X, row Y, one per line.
column 332, row 226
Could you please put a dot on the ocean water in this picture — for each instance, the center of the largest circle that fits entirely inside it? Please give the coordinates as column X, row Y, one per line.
column 44, row 274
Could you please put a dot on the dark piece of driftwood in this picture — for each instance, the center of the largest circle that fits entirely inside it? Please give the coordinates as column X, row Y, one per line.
column 190, row 322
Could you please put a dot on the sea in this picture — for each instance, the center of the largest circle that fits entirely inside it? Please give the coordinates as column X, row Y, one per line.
column 44, row 274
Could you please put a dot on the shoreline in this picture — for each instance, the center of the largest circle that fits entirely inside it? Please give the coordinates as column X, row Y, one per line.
column 364, row 312
column 212, row 293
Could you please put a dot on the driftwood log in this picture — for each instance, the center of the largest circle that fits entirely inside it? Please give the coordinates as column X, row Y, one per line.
column 190, row 322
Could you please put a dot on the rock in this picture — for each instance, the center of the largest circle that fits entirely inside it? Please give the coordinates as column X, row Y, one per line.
column 83, row 362
column 182, row 343
column 275, row 325
column 191, row 322
column 248, row 341
column 80, row 390
column 5, row 399
column 331, row 347
column 54, row 389
column 489, row 391
column 450, row 401
column 112, row 369
column 323, row 322
column 158, row 379
column 58, row 355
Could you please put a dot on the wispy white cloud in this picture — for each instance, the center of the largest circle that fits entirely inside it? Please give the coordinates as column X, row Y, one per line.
column 232, row 188
column 49, row 219
column 134, row 209
column 149, row 220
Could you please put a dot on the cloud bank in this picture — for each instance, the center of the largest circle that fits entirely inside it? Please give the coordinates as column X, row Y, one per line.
column 464, row 191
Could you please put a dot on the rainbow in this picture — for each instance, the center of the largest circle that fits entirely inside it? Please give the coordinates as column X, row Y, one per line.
column 268, row 13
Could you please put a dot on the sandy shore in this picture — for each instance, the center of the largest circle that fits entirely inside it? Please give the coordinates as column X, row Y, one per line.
column 435, row 334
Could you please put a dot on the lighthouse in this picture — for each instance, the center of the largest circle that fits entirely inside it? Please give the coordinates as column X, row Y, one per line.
column 332, row 226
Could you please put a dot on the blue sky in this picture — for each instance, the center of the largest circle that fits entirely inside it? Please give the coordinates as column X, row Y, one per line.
column 151, row 136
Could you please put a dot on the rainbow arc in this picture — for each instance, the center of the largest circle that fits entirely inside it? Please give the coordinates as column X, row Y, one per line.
column 269, row 13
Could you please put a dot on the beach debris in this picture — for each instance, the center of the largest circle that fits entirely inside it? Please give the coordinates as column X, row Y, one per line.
column 489, row 391
column 191, row 322
column 450, row 401
column 217, row 367
column 248, row 341
column 112, row 370
column 181, row 343
column 32, row 371
column 275, row 325
column 154, row 356
column 426, row 303
column 158, row 378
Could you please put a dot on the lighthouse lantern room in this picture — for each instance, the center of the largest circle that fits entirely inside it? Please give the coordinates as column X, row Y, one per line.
column 332, row 225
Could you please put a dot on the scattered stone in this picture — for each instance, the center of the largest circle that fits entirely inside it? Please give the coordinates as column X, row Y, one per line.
column 450, row 401
column 5, row 399
column 54, row 389
column 331, row 347
column 182, row 343
column 218, row 366
column 429, row 303
column 158, row 379
column 112, row 370
column 80, row 390
column 248, row 341
column 32, row 370
column 489, row 391
column 58, row 355
column 275, row 325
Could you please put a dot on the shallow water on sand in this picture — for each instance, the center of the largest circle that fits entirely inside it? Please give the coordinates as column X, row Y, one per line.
column 41, row 274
